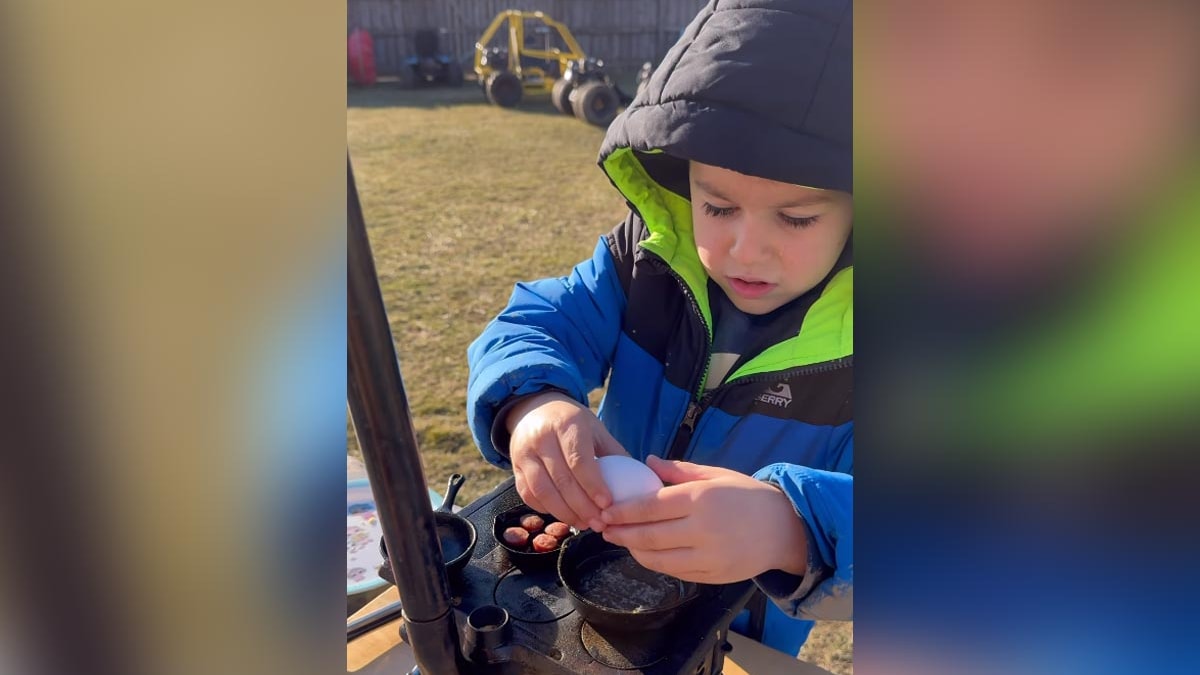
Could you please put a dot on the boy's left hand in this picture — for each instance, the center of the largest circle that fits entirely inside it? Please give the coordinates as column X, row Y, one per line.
column 710, row 525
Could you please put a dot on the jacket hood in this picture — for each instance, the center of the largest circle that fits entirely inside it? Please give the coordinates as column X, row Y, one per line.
column 760, row 87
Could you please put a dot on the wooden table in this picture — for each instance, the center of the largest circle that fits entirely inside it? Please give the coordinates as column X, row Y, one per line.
column 381, row 651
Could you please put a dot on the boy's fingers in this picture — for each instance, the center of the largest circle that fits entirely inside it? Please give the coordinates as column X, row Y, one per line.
column 570, row 490
column 527, row 495
column 660, row 536
column 524, row 491
column 668, row 503
column 674, row 472
column 579, row 451
column 546, row 493
column 676, row 561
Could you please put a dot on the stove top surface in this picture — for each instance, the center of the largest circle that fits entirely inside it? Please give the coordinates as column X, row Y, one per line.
column 549, row 636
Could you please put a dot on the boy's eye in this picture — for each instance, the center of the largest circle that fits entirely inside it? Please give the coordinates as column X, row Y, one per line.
column 799, row 221
column 719, row 211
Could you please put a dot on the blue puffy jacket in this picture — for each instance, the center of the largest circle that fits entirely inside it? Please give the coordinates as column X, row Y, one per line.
column 637, row 313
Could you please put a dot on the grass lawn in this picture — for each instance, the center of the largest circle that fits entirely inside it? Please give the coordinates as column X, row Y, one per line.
column 463, row 199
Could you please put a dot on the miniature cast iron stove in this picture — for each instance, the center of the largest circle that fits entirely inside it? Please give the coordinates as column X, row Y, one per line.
column 546, row 635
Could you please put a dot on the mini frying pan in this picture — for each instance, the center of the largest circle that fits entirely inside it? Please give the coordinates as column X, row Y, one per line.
column 612, row 591
column 525, row 558
column 456, row 534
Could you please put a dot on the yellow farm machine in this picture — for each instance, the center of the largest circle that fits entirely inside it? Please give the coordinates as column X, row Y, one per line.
column 529, row 53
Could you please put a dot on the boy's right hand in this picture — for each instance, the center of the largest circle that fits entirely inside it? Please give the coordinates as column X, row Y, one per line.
column 553, row 447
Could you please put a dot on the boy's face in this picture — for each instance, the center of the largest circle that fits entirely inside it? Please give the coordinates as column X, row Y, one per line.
column 765, row 243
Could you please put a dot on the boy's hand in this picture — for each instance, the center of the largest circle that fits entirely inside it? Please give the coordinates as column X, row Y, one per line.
column 711, row 526
column 553, row 447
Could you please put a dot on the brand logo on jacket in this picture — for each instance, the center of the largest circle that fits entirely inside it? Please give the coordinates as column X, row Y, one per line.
column 780, row 395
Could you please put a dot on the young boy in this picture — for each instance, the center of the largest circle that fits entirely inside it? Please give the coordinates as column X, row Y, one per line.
column 720, row 311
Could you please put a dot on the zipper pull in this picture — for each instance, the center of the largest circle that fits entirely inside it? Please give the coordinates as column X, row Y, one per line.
column 689, row 418
column 684, row 436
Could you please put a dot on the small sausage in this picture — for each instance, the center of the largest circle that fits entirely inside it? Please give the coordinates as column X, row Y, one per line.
column 559, row 531
column 533, row 523
column 544, row 543
column 516, row 537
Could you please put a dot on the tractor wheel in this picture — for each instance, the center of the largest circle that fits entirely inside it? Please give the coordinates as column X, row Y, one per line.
column 596, row 103
column 504, row 89
column 560, row 95
column 454, row 74
column 406, row 76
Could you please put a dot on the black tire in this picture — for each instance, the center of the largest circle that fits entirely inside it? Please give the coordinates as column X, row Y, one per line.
column 454, row 74
column 425, row 43
column 560, row 96
column 504, row 89
column 408, row 79
column 596, row 103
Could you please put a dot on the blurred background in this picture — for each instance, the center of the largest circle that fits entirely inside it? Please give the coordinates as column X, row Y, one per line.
column 1026, row 239
column 625, row 33
column 174, row 342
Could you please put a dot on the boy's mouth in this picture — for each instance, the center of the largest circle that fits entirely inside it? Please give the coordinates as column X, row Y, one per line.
column 750, row 288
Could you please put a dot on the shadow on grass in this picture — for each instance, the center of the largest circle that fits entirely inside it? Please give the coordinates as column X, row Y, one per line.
column 392, row 95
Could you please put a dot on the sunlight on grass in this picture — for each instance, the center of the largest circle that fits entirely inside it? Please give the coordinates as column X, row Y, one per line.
column 462, row 200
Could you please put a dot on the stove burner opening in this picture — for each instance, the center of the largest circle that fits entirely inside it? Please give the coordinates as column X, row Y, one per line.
column 624, row 651
column 532, row 598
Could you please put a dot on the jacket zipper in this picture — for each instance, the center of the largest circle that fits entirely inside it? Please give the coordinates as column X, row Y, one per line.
column 683, row 436
column 698, row 313
column 700, row 399
column 697, row 398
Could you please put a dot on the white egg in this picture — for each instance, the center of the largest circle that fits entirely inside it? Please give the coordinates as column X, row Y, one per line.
column 627, row 478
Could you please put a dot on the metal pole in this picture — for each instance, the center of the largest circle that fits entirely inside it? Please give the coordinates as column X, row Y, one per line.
column 379, row 409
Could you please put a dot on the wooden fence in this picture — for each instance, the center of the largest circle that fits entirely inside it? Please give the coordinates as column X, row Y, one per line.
column 624, row 33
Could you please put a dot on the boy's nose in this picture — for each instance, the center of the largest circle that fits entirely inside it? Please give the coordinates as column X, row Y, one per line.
column 748, row 246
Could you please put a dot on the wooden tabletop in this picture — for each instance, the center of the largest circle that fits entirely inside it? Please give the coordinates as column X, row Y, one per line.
column 381, row 652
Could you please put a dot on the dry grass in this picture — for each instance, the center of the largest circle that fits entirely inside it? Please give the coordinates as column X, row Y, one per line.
column 463, row 199
column 831, row 646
